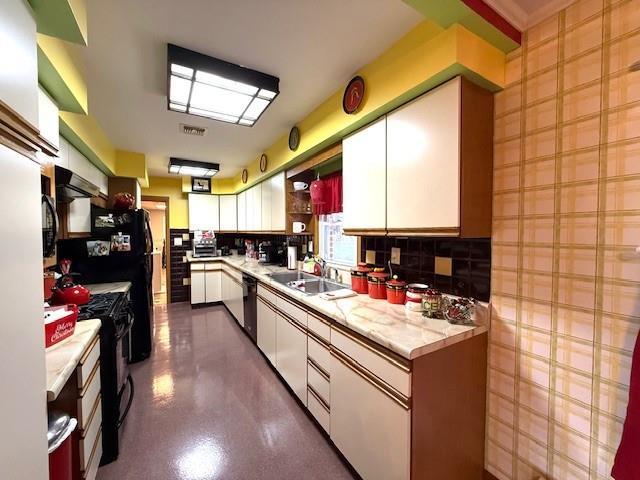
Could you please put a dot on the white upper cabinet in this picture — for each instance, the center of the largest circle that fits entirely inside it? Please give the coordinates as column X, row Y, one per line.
column 265, row 189
column 48, row 120
column 423, row 160
column 204, row 212
column 242, row 211
column 19, row 60
column 364, row 178
column 228, row 213
column 254, row 208
column 278, row 201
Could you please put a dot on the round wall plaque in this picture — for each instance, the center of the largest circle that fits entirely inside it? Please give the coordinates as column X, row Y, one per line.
column 245, row 176
column 294, row 139
column 353, row 95
column 263, row 162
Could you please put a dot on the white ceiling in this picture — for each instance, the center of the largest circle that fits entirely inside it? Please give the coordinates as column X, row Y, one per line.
column 314, row 47
column 526, row 13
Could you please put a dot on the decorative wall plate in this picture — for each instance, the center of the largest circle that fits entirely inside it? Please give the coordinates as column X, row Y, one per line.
column 353, row 95
column 294, row 139
column 245, row 175
column 263, row 162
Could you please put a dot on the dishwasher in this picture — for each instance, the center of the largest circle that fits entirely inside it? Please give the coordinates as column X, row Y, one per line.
column 250, row 299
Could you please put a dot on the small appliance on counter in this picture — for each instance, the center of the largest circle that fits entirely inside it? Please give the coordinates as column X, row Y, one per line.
column 270, row 253
column 204, row 244
column 292, row 257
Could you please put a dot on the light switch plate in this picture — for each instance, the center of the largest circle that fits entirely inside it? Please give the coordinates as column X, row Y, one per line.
column 395, row 255
column 177, row 241
column 370, row 257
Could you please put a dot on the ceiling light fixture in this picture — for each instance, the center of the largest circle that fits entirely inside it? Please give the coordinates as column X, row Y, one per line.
column 180, row 166
column 215, row 89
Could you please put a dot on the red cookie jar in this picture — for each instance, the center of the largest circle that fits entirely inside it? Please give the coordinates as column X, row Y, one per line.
column 396, row 291
column 376, row 282
column 359, row 278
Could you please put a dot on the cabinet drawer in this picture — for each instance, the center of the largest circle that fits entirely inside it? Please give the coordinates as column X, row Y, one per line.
column 292, row 310
column 317, row 380
column 389, row 370
column 91, row 471
column 319, row 410
column 197, row 266
column 319, row 326
column 88, row 398
column 267, row 294
column 88, row 363
column 88, row 439
column 319, row 354
column 212, row 266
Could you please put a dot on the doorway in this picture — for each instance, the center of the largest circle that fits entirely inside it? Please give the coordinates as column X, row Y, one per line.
column 158, row 208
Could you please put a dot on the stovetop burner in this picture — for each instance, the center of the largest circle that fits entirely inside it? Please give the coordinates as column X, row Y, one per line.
column 101, row 305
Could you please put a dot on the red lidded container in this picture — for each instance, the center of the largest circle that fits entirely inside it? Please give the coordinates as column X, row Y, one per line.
column 415, row 291
column 359, row 278
column 376, row 281
column 396, row 291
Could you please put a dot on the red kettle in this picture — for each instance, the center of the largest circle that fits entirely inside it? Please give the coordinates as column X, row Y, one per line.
column 66, row 291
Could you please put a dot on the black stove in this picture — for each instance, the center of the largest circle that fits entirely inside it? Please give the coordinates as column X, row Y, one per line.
column 115, row 312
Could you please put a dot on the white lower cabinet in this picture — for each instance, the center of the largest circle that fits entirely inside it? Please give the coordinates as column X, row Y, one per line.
column 197, row 283
column 213, row 285
column 291, row 355
column 366, row 420
column 266, row 326
column 206, row 283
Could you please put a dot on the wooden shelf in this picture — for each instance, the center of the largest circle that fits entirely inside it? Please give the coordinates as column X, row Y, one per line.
column 301, row 213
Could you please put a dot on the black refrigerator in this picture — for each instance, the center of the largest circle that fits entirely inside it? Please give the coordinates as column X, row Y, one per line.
column 119, row 249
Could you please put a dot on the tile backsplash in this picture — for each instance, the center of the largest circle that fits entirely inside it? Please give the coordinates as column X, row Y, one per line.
column 429, row 260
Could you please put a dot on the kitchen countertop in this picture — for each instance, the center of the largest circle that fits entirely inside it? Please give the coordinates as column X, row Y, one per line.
column 62, row 358
column 112, row 287
column 406, row 333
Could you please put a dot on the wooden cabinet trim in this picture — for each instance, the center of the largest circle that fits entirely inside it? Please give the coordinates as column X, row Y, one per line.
column 19, row 135
column 318, row 398
column 324, row 374
column 390, row 392
column 318, row 338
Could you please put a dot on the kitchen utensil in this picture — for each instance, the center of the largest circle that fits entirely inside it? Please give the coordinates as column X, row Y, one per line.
column 376, row 281
column 297, row 186
column 66, row 291
column 299, row 227
column 396, row 291
column 337, row 294
column 359, row 278
column 59, row 323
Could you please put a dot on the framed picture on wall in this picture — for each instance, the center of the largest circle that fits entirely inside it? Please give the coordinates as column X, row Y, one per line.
column 200, row 184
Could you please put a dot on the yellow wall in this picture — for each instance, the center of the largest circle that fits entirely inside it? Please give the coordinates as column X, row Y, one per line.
column 178, row 205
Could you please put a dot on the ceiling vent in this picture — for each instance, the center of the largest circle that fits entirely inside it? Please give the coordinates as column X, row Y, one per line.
column 193, row 130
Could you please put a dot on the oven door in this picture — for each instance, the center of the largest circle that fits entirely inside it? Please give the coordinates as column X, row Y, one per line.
column 123, row 357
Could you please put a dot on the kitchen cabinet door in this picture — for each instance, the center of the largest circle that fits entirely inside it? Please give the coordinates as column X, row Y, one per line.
column 265, row 195
column 204, row 212
column 423, row 162
column 242, row 211
column 213, row 286
column 238, row 302
column 228, row 213
column 278, row 201
column 198, row 284
column 254, row 208
column 291, row 355
column 266, row 327
column 225, row 283
column 364, row 179
column 366, row 421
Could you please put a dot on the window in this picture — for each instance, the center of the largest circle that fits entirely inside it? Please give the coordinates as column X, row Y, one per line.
column 335, row 247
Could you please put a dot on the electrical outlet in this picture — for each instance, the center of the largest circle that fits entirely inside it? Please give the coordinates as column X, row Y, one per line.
column 370, row 257
column 395, row 255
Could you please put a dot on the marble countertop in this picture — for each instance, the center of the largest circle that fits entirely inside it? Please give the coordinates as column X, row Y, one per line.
column 62, row 358
column 115, row 287
column 406, row 333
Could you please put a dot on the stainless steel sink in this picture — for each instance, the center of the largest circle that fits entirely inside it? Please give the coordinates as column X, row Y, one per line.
column 306, row 283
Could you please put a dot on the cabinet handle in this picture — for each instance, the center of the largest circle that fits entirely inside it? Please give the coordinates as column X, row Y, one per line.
column 319, row 398
column 319, row 369
column 393, row 394
column 267, row 303
column 293, row 322
column 401, row 365
column 318, row 338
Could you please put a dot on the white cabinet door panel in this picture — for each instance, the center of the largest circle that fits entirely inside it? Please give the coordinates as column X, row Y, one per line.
column 291, row 356
column 204, row 212
column 242, row 211
column 265, row 192
column 198, row 287
column 278, row 201
column 228, row 213
column 254, row 208
column 365, row 422
column 266, row 327
column 213, row 286
column 364, row 178
column 423, row 158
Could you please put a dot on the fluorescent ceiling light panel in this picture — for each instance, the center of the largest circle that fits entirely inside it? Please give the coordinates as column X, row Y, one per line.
column 180, row 166
column 212, row 88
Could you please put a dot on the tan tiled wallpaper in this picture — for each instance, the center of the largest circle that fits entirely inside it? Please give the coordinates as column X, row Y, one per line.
column 565, row 277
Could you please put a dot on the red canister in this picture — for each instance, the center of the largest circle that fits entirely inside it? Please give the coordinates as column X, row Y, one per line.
column 396, row 291
column 359, row 278
column 376, row 281
column 415, row 291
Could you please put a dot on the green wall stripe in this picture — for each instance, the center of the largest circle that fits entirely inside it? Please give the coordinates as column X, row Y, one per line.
column 56, row 87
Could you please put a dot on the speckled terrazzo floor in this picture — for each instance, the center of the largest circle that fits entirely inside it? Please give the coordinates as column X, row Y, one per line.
column 207, row 406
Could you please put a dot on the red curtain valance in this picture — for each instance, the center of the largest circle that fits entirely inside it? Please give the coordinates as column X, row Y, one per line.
column 326, row 194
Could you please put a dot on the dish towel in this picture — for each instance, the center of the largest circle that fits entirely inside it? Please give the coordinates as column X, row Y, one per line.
column 627, row 465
